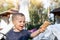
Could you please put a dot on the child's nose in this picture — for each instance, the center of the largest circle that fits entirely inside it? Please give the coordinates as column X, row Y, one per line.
column 23, row 23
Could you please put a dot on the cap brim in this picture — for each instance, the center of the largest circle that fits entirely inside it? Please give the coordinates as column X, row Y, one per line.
column 10, row 11
column 5, row 12
column 57, row 10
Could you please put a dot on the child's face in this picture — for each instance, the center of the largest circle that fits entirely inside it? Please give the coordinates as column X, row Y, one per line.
column 19, row 22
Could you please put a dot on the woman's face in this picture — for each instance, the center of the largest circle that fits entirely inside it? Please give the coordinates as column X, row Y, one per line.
column 6, row 15
column 57, row 18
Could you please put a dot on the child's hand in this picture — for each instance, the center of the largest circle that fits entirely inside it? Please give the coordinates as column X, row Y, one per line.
column 44, row 26
column 41, row 29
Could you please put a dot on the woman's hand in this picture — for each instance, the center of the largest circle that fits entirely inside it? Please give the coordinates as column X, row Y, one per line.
column 1, row 28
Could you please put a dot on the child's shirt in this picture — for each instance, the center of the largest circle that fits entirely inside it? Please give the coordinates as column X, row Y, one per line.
column 23, row 35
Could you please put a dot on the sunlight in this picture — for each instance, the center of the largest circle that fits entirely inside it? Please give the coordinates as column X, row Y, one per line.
column 46, row 3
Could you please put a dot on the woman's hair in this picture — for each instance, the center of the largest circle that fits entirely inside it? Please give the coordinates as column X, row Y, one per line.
column 14, row 15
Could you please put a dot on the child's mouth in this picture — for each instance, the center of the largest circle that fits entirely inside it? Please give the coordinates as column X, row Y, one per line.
column 21, row 26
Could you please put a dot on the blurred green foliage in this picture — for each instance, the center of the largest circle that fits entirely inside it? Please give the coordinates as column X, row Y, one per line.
column 5, row 6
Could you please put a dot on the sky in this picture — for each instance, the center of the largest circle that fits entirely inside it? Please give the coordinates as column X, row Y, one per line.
column 46, row 3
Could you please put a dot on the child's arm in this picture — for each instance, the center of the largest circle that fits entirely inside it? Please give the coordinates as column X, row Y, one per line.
column 40, row 30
